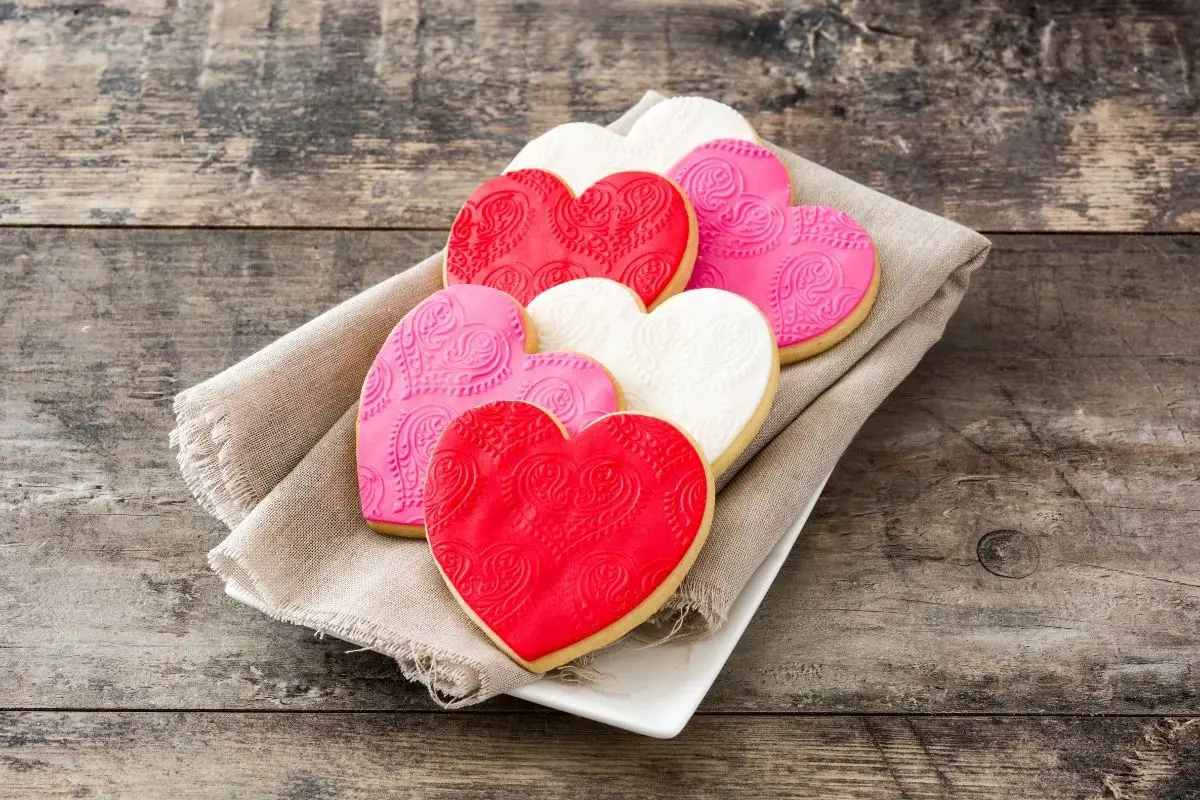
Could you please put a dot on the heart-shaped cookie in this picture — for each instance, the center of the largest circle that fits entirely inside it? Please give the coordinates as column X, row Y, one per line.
column 525, row 231
column 582, row 153
column 813, row 270
column 557, row 546
column 705, row 360
column 460, row 347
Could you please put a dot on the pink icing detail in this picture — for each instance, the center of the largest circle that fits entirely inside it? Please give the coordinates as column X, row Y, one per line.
column 462, row 346
column 806, row 267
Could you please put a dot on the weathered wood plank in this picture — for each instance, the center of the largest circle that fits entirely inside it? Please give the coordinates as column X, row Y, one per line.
column 1034, row 116
column 102, row 549
column 552, row 756
column 1061, row 405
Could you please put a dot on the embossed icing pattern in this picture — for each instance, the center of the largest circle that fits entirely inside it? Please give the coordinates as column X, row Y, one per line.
column 460, row 347
column 525, row 231
column 807, row 267
column 549, row 540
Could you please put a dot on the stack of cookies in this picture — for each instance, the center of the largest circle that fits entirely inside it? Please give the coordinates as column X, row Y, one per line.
column 608, row 341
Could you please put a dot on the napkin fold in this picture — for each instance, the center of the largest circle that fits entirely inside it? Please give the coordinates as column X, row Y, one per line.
column 267, row 447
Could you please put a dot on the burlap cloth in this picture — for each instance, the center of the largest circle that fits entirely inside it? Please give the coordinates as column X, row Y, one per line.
column 267, row 447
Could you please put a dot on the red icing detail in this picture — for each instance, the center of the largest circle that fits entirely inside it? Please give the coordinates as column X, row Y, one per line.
column 549, row 540
column 524, row 232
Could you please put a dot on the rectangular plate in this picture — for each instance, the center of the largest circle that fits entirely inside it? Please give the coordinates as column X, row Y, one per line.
column 655, row 690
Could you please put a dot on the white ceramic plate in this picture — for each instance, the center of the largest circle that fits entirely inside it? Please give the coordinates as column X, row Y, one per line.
column 655, row 690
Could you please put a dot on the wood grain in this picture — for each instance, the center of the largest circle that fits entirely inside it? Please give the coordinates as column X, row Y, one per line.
column 542, row 755
column 1014, row 533
column 1061, row 405
column 1040, row 116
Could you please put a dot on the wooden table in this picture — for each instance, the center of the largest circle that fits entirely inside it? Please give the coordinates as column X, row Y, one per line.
column 999, row 593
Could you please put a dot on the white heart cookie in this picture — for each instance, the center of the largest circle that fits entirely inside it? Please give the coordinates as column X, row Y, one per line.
column 581, row 153
column 705, row 359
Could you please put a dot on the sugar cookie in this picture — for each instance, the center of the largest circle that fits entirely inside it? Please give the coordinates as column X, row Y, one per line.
column 557, row 546
column 460, row 347
column 582, row 153
column 812, row 270
column 705, row 359
column 525, row 231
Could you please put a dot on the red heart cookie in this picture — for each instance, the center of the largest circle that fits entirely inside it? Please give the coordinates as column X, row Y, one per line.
column 557, row 546
column 524, row 232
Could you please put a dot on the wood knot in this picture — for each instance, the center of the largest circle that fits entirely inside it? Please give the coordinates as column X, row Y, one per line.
column 1009, row 554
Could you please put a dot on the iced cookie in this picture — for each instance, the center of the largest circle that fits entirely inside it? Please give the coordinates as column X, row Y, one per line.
column 812, row 270
column 582, row 153
column 525, row 231
column 705, row 360
column 460, row 347
column 557, row 546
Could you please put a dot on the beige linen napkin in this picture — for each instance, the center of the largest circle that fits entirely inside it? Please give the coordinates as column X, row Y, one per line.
column 268, row 448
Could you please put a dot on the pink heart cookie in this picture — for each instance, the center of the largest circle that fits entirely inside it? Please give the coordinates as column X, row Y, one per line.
column 812, row 270
column 461, row 347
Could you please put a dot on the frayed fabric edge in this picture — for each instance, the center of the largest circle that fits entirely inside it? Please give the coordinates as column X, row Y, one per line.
column 1149, row 764
column 580, row 672
column 694, row 612
column 199, row 438
column 452, row 681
